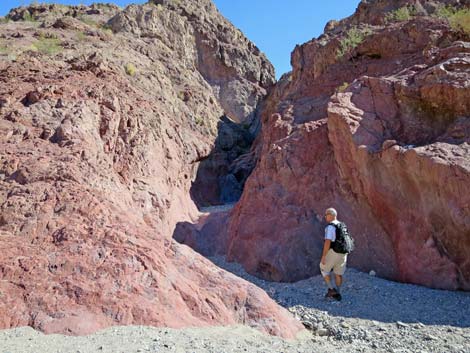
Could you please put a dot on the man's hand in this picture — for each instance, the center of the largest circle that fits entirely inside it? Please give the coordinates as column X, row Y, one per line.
column 326, row 247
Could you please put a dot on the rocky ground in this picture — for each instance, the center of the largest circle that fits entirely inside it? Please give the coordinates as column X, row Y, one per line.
column 375, row 315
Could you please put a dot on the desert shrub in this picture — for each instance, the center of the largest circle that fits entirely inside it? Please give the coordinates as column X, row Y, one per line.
column 88, row 21
column 3, row 49
column 353, row 38
column 46, row 35
column 81, row 37
column 343, row 87
column 158, row 6
column 4, row 19
column 130, row 69
column 199, row 121
column 106, row 29
column 445, row 12
column 47, row 46
column 459, row 20
column 28, row 17
column 404, row 13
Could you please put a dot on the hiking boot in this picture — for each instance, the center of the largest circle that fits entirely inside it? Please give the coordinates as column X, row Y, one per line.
column 331, row 293
column 337, row 296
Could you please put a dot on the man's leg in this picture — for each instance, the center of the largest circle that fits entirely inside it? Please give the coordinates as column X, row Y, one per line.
column 339, row 269
column 328, row 281
column 325, row 271
column 331, row 290
column 339, row 281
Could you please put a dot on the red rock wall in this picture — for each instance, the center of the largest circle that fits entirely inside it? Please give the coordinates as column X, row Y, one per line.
column 320, row 149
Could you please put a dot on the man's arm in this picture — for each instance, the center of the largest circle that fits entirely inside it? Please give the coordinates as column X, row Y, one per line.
column 326, row 247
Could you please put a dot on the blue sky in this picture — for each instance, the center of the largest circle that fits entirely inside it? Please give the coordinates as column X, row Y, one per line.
column 275, row 26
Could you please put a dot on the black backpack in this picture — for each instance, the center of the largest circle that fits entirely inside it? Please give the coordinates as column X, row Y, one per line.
column 344, row 243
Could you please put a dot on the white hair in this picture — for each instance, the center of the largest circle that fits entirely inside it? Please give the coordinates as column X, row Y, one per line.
column 332, row 212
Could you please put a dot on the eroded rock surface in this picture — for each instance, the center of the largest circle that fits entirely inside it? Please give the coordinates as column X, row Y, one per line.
column 103, row 125
column 380, row 132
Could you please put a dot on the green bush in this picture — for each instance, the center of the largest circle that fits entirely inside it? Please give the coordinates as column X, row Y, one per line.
column 353, row 38
column 199, row 121
column 28, row 17
column 445, row 12
column 88, row 21
column 343, row 87
column 158, row 6
column 81, row 37
column 106, row 29
column 130, row 69
column 459, row 20
column 404, row 13
column 3, row 49
column 48, row 46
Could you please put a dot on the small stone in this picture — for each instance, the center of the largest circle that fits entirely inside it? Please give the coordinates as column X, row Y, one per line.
column 32, row 97
column 388, row 143
column 430, row 337
column 4, row 101
column 308, row 325
column 402, row 325
column 60, row 103
column 323, row 332
column 372, row 273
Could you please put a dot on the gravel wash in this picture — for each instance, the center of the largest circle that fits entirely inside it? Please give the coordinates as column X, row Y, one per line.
column 375, row 315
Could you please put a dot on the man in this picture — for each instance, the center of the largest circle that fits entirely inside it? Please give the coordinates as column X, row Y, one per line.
column 332, row 260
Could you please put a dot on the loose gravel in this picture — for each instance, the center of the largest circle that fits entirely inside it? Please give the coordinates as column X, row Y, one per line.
column 375, row 315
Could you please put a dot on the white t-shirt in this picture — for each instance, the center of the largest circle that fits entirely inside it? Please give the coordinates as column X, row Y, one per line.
column 330, row 231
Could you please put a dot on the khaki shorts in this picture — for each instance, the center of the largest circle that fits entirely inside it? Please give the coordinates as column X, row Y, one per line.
column 335, row 262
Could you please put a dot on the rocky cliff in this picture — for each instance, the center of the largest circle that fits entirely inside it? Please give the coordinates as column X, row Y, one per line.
column 374, row 121
column 105, row 116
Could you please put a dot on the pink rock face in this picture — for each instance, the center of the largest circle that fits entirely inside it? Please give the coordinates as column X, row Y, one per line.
column 408, row 159
column 391, row 154
column 96, row 163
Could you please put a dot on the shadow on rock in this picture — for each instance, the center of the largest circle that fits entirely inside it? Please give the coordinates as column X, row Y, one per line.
column 209, row 236
column 222, row 175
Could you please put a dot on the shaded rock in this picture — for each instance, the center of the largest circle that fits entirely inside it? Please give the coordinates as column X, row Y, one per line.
column 221, row 176
column 208, row 236
column 231, row 189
